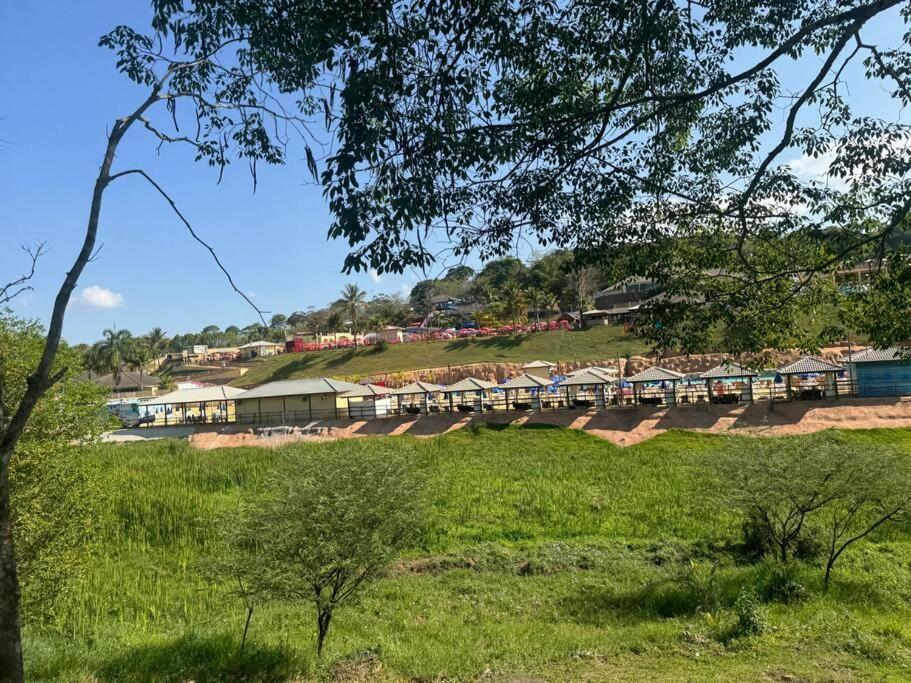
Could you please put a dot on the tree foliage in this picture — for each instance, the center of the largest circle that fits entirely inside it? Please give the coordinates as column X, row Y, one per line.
column 328, row 523
column 54, row 492
column 838, row 490
column 661, row 125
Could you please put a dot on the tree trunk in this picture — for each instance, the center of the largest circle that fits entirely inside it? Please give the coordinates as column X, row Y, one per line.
column 10, row 640
column 825, row 580
column 36, row 386
column 323, row 617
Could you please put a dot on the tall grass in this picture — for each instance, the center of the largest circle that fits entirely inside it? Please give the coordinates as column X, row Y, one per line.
column 555, row 555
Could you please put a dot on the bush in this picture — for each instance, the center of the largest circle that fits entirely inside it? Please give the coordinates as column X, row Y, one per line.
column 782, row 585
column 380, row 346
column 759, row 543
column 751, row 616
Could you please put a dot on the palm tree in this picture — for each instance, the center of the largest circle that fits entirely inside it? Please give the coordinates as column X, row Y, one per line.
column 541, row 300
column 116, row 347
column 353, row 298
column 93, row 360
column 333, row 321
column 137, row 360
column 156, row 340
column 515, row 301
column 548, row 302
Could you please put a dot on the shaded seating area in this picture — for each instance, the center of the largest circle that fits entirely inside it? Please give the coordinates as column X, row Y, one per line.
column 421, row 398
column 802, row 379
column 729, row 375
column 587, row 390
column 524, row 393
column 654, row 386
column 368, row 400
column 204, row 405
column 469, row 395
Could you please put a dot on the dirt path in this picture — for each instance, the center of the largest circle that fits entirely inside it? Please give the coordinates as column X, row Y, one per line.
column 622, row 426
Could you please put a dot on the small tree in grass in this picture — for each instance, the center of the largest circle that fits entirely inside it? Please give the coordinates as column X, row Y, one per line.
column 328, row 524
column 844, row 490
column 778, row 483
column 879, row 493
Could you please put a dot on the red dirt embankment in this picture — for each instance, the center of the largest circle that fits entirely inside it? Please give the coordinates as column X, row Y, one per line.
column 622, row 426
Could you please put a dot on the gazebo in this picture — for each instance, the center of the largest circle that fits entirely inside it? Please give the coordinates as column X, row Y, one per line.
column 539, row 368
column 587, row 379
column 811, row 365
column 196, row 406
column 654, row 375
column 528, row 383
column 371, row 400
column 477, row 388
column 423, row 389
column 727, row 370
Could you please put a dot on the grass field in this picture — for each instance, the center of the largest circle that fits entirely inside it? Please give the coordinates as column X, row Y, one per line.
column 599, row 342
column 555, row 556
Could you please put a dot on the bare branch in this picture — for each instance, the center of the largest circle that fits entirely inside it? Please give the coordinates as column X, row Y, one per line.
column 161, row 191
column 14, row 288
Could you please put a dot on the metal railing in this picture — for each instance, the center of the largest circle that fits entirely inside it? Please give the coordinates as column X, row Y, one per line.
column 575, row 398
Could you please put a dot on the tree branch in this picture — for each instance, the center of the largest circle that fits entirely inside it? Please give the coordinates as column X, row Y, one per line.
column 14, row 288
column 169, row 200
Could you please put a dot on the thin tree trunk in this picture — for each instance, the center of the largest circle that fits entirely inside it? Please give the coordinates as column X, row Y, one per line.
column 36, row 386
column 322, row 629
column 10, row 641
column 243, row 640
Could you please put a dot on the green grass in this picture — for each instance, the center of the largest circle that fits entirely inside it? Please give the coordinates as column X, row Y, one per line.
column 601, row 342
column 554, row 557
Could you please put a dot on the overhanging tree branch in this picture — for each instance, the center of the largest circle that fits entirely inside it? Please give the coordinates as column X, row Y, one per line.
column 193, row 233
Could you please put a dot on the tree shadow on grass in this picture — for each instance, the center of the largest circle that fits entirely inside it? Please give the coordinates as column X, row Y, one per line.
column 297, row 365
column 193, row 658
column 344, row 357
column 506, row 342
column 660, row 599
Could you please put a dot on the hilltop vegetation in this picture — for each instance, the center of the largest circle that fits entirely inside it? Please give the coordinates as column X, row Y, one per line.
column 600, row 342
column 553, row 555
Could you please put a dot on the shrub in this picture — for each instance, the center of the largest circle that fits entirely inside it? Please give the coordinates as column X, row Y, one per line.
column 751, row 616
column 782, row 584
column 380, row 346
column 759, row 542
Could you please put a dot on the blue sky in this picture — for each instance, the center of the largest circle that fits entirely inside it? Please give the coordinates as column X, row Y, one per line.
column 62, row 91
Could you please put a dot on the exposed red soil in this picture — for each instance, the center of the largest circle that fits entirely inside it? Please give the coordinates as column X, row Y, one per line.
column 622, row 426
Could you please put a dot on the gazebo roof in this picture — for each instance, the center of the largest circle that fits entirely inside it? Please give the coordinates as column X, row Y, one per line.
column 526, row 382
column 655, row 374
column 539, row 364
column 809, row 364
column 595, row 370
column 470, row 384
column 728, row 370
column 585, row 378
column 367, row 390
column 418, row 388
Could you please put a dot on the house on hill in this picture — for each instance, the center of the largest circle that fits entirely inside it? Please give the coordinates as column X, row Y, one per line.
column 130, row 384
column 259, row 349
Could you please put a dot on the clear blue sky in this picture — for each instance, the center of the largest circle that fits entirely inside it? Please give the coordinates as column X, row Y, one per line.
column 61, row 91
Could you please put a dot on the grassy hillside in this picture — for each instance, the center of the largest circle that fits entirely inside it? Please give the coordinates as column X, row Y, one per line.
column 556, row 556
column 597, row 342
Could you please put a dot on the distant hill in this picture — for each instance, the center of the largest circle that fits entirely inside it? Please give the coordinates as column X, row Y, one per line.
column 602, row 341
